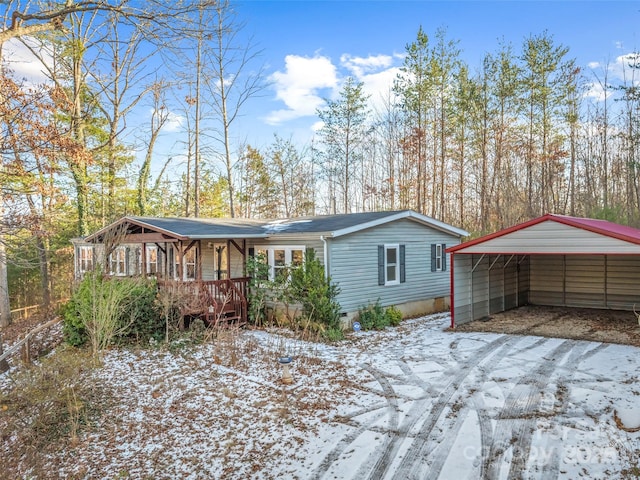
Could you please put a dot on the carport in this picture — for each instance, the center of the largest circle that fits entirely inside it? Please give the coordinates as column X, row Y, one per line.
column 553, row 260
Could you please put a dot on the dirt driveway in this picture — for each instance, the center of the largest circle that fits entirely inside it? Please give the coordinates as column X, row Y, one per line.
column 612, row 326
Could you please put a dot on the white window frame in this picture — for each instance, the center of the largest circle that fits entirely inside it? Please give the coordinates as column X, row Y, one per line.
column 120, row 262
column 288, row 255
column 148, row 250
column 187, row 262
column 439, row 254
column 396, row 247
column 85, row 259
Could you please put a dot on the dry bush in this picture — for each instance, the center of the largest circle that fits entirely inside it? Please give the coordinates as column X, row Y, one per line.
column 629, row 455
column 45, row 406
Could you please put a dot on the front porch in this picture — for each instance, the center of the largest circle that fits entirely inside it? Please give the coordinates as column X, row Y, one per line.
column 199, row 264
column 216, row 302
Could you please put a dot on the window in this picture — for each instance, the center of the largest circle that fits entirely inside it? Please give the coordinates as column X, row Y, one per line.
column 438, row 257
column 190, row 268
column 190, row 261
column 391, row 265
column 85, row 259
column 279, row 258
column 118, row 262
column 152, row 259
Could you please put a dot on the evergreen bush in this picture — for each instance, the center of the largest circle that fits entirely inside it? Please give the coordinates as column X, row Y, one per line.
column 317, row 294
column 376, row 317
column 105, row 310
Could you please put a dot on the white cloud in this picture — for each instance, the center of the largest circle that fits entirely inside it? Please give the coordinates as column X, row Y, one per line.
column 174, row 122
column 621, row 69
column 597, row 92
column 304, row 80
column 361, row 66
column 317, row 126
column 377, row 73
column 379, row 86
column 624, row 63
column 300, row 86
column 23, row 64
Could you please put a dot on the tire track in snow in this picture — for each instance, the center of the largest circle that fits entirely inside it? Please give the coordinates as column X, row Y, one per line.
column 494, row 349
column 379, row 466
column 515, row 423
column 427, row 444
column 551, row 469
column 391, row 411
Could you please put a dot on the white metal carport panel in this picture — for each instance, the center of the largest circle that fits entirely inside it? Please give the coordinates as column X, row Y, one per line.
column 553, row 237
column 462, row 298
column 623, row 282
column 480, row 285
column 585, row 282
column 546, row 280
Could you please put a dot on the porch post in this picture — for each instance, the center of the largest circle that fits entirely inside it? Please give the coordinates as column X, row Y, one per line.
column 199, row 260
column 143, row 259
column 181, row 261
column 228, row 258
column 244, row 257
column 166, row 261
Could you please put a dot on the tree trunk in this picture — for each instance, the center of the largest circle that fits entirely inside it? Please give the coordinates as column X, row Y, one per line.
column 5, row 307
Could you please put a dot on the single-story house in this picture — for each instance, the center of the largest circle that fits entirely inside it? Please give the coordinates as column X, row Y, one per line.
column 553, row 260
column 397, row 257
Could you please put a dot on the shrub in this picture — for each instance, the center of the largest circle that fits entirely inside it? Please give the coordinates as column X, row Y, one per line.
column 376, row 317
column 316, row 293
column 104, row 310
column 372, row 316
column 258, row 289
column 333, row 334
column 146, row 321
column 394, row 315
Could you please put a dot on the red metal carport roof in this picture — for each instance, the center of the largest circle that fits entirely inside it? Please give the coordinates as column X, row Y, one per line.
column 603, row 227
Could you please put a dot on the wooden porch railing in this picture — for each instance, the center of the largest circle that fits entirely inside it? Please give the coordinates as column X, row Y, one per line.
column 215, row 301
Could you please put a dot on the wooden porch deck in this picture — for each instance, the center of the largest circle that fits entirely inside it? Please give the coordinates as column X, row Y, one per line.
column 217, row 302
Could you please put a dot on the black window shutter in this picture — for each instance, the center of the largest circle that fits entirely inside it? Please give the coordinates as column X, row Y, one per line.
column 444, row 257
column 433, row 257
column 381, row 273
column 403, row 277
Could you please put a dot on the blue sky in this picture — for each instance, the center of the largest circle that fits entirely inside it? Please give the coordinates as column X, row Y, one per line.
column 310, row 47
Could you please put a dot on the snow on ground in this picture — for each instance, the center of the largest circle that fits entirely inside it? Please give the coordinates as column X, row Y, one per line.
column 410, row 402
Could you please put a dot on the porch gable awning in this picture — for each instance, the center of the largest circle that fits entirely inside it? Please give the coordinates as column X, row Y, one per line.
column 152, row 229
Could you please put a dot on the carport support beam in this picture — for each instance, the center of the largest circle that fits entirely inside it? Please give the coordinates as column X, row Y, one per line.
column 451, row 292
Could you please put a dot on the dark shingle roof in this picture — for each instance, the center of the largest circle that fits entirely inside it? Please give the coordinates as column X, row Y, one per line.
column 205, row 227
column 330, row 225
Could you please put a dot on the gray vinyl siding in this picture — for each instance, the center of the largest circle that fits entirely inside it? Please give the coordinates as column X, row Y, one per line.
column 209, row 263
column 354, row 265
column 488, row 284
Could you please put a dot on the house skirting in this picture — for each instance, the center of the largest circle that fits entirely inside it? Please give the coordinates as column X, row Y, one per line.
column 409, row 309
